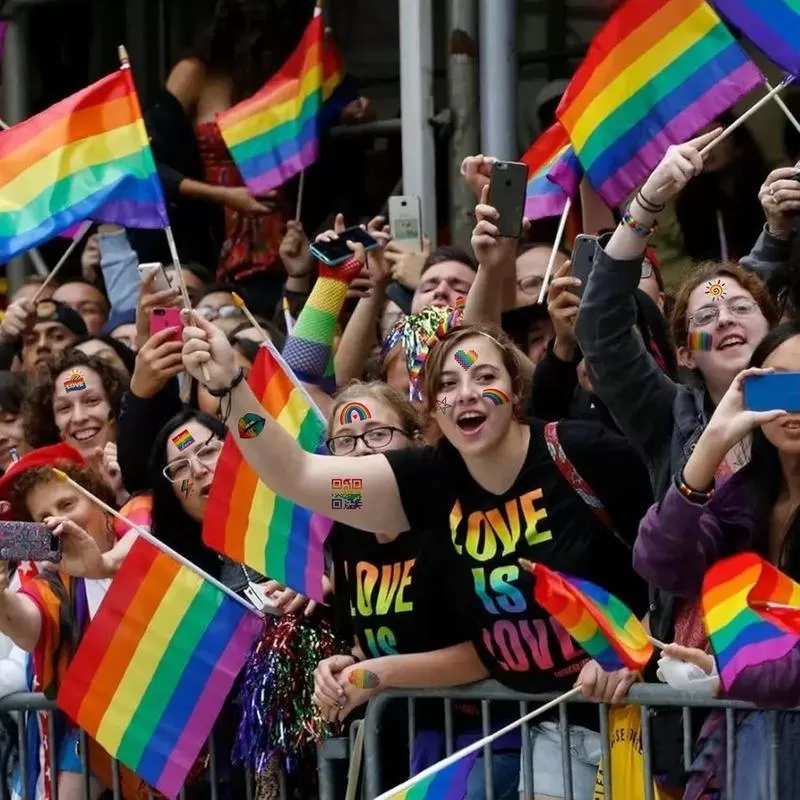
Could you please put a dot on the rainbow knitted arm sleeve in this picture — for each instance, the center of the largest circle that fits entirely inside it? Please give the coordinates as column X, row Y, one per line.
column 309, row 348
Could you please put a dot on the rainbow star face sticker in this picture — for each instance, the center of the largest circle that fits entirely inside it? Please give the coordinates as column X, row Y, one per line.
column 717, row 290
column 466, row 358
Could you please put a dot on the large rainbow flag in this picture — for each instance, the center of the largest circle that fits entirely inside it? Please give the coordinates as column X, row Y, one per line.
column 772, row 25
column 247, row 521
column 743, row 629
column 657, row 72
column 85, row 157
column 599, row 622
column 273, row 135
column 156, row 664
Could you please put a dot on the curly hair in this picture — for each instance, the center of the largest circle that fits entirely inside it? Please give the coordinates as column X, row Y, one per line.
column 36, row 476
column 38, row 419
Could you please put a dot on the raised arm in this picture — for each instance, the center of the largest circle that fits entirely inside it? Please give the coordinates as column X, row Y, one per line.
column 20, row 618
column 274, row 454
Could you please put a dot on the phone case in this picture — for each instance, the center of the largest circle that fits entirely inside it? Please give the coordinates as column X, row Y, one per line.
column 770, row 392
column 161, row 282
column 28, row 541
column 582, row 261
column 405, row 221
column 329, row 255
column 507, row 195
column 161, row 318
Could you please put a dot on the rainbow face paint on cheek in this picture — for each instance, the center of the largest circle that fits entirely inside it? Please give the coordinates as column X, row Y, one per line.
column 495, row 396
column 364, row 679
column 183, row 440
column 75, row 382
column 717, row 290
column 186, row 486
column 699, row 341
column 354, row 412
column 466, row 358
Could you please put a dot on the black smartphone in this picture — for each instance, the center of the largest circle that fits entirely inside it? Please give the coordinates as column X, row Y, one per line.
column 337, row 251
column 28, row 541
column 582, row 260
column 507, row 194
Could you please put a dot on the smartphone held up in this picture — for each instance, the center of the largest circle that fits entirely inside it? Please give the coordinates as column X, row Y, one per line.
column 337, row 252
column 507, row 196
column 28, row 541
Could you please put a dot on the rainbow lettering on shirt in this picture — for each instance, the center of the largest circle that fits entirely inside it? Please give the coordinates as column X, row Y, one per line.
column 699, row 341
column 466, row 358
column 183, row 440
column 496, row 397
column 75, row 382
column 353, row 412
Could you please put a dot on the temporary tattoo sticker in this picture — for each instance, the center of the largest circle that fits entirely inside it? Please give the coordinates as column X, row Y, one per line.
column 364, row 679
column 717, row 290
column 186, row 486
column 460, row 302
column 443, row 406
column 250, row 425
column 75, row 382
column 346, row 494
column 496, row 396
column 354, row 412
column 466, row 358
column 183, row 440
column 700, row 341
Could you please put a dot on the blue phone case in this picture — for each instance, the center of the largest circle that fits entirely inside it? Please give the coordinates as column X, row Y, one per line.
column 318, row 254
column 773, row 391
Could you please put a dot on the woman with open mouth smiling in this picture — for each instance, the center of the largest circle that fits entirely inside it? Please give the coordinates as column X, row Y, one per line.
column 495, row 489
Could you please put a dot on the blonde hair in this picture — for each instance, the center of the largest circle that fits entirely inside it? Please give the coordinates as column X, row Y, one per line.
column 410, row 418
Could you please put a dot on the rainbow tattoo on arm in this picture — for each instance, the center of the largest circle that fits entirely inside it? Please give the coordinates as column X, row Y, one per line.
column 309, row 348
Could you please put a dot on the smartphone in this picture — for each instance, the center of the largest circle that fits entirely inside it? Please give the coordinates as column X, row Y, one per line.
column 161, row 283
column 769, row 392
column 161, row 318
column 28, row 541
column 405, row 221
column 582, row 260
column 507, row 194
column 337, row 251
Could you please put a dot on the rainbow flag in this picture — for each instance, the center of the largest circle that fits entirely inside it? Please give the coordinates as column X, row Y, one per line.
column 449, row 783
column 273, row 135
column 247, row 521
column 551, row 153
column 658, row 71
column 742, row 635
column 156, row 664
column 599, row 622
column 85, row 157
column 771, row 25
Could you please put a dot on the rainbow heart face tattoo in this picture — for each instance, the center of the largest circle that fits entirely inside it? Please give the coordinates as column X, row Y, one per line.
column 466, row 358
column 75, row 382
column 496, row 396
column 717, row 290
column 353, row 412
column 183, row 440
column 250, row 426
column 699, row 341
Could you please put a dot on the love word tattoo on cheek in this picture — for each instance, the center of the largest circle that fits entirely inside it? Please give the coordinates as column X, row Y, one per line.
column 186, row 486
column 354, row 412
column 700, row 341
column 364, row 679
column 183, row 440
column 75, row 382
column 717, row 290
column 346, row 494
column 250, row 426
column 466, row 358
column 495, row 396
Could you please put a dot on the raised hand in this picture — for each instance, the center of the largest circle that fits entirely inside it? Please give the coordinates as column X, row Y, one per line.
column 294, row 252
column 780, row 198
column 205, row 345
column 562, row 305
column 159, row 360
column 18, row 317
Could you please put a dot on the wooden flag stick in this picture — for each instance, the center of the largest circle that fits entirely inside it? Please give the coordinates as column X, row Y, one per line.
column 783, row 107
column 440, row 765
column 656, row 642
column 240, row 304
column 562, row 225
column 147, row 536
column 301, row 186
column 76, row 240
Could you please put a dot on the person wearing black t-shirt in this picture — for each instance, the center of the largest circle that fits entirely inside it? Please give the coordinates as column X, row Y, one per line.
column 493, row 484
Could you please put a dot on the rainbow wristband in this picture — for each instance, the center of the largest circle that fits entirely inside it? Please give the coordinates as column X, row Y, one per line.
column 637, row 227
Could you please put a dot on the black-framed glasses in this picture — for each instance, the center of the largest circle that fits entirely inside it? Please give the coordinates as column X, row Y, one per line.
column 375, row 439
column 738, row 306
column 181, row 468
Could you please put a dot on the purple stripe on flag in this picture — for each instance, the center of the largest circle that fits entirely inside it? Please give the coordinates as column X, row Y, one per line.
column 567, row 174
column 291, row 167
column 208, row 706
column 754, row 654
column 716, row 100
column 539, row 206
column 320, row 527
column 132, row 214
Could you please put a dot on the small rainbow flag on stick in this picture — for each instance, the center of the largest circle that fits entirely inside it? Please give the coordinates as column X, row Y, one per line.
column 247, row 521
column 550, row 153
column 743, row 628
column 273, row 135
column 85, row 157
column 156, row 664
column 599, row 622
column 447, row 784
column 657, row 72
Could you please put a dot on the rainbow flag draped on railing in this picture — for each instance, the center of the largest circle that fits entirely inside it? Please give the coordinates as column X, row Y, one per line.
column 85, row 157
column 273, row 135
column 247, row 521
column 657, row 72
column 155, row 665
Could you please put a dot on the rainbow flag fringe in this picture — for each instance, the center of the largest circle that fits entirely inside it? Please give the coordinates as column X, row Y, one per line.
column 156, row 663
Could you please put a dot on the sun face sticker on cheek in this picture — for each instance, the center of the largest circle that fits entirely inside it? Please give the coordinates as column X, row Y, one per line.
column 250, row 426
column 75, row 382
column 353, row 412
column 183, row 440
column 717, row 290
column 466, row 358
column 496, row 397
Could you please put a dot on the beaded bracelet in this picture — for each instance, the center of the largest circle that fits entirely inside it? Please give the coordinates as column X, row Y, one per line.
column 637, row 227
column 692, row 495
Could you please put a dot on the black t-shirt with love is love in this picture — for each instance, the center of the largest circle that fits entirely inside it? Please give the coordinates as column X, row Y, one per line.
column 540, row 518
